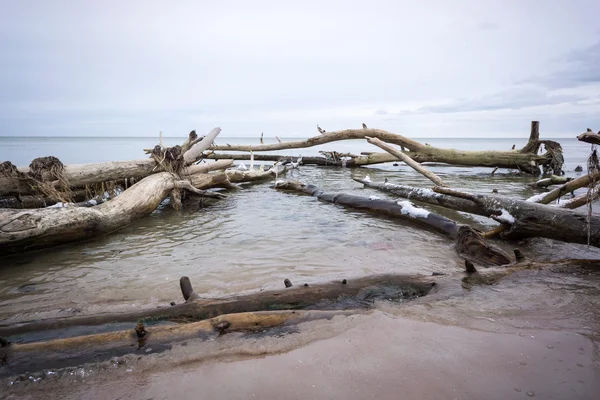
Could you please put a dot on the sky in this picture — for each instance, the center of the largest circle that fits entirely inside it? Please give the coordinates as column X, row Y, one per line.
column 419, row 68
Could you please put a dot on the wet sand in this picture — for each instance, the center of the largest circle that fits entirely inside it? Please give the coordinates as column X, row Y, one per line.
column 387, row 358
column 534, row 335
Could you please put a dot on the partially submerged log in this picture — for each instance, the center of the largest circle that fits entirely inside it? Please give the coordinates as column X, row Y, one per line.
column 78, row 175
column 72, row 351
column 42, row 228
column 525, row 160
column 552, row 180
column 523, row 218
column 356, row 293
column 569, row 187
column 469, row 243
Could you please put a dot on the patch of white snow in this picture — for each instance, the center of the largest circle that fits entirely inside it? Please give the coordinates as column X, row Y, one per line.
column 409, row 209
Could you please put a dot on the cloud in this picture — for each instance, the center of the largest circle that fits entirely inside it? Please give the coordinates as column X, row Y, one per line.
column 135, row 68
column 487, row 26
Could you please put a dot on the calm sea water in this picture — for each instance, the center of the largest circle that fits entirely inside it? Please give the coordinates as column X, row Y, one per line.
column 253, row 240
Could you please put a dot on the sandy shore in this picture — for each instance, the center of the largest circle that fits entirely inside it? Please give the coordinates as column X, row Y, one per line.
column 532, row 336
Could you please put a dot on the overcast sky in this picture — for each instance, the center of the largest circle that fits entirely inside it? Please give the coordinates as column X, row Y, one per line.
column 420, row 68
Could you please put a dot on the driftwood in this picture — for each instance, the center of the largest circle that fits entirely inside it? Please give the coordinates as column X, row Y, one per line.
column 526, row 159
column 522, row 218
column 31, row 201
column 351, row 292
column 569, row 187
column 552, row 180
column 78, row 175
column 469, row 243
column 590, row 137
column 41, row 228
column 350, row 162
column 36, row 356
column 409, row 161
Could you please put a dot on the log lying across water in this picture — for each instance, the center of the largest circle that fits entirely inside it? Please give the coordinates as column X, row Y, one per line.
column 524, row 218
column 469, row 244
column 526, row 159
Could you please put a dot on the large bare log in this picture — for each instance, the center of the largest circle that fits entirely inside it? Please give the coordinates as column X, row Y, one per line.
column 73, row 351
column 196, row 150
column 42, row 228
column 469, row 244
column 31, row 201
column 78, row 175
column 409, row 161
column 298, row 297
column 370, row 159
column 524, row 218
column 580, row 201
column 590, row 137
column 207, row 167
column 552, row 180
column 570, row 186
column 526, row 160
column 425, row 195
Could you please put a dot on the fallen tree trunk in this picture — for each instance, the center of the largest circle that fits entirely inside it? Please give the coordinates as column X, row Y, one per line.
column 350, row 162
column 31, row 201
column 360, row 292
column 409, row 161
column 524, row 218
column 525, row 160
column 590, row 137
column 552, row 180
column 570, row 186
column 469, row 244
column 42, row 228
column 72, row 351
column 78, row 175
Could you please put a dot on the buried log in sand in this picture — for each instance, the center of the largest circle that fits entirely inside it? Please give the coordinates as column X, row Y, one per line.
column 341, row 294
column 143, row 340
column 469, row 243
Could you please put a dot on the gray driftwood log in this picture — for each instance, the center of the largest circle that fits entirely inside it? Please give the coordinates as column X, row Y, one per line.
column 469, row 243
column 523, row 218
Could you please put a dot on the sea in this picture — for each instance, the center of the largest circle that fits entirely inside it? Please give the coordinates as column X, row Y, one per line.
column 255, row 238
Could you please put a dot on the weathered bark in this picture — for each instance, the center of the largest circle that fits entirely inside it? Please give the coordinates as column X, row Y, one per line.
column 469, row 243
column 237, row 176
column 208, row 167
column 195, row 152
column 530, row 219
column 78, row 175
column 590, row 137
column 41, row 228
column 409, row 161
column 426, row 195
column 552, row 180
column 580, row 201
column 526, row 160
column 372, row 158
column 30, row 201
column 73, row 351
column 582, row 181
column 298, row 297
